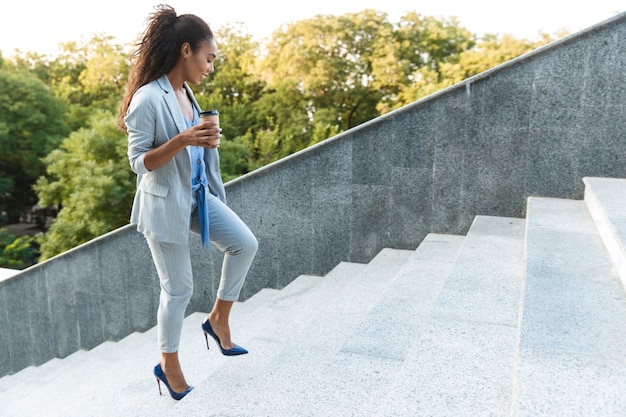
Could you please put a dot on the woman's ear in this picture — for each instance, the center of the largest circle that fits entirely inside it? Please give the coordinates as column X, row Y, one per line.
column 185, row 50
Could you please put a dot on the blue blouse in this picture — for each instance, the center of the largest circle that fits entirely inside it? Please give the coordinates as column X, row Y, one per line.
column 199, row 182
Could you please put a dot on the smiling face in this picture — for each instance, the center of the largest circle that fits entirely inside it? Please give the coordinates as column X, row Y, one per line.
column 197, row 66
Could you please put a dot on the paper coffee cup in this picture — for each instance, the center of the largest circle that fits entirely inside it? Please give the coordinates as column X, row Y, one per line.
column 211, row 116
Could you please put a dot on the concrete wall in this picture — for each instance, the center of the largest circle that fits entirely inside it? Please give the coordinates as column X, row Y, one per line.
column 534, row 126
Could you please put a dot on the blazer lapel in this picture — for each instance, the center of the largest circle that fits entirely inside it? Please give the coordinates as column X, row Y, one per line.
column 194, row 102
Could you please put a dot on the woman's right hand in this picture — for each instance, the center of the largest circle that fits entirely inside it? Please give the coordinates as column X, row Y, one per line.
column 205, row 134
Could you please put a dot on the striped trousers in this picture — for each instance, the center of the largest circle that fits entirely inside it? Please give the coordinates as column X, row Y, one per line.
column 173, row 264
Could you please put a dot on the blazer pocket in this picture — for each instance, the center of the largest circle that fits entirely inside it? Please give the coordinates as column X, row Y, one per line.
column 160, row 190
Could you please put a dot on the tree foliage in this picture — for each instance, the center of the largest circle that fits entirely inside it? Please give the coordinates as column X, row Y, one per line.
column 311, row 80
column 88, row 176
column 86, row 75
column 32, row 123
column 325, row 63
column 16, row 252
column 491, row 51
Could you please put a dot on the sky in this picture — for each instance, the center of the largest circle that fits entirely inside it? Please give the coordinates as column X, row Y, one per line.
column 41, row 25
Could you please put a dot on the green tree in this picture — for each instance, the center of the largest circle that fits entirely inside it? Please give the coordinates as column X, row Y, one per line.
column 89, row 75
column 282, row 123
column 16, row 252
column 491, row 51
column 33, row 63
column 417, row 43
column 89, row 178
column 86, row 74
column 328, row 60
column 103, row 78
column 330, row 73
column 235, row 159
column 32, row 123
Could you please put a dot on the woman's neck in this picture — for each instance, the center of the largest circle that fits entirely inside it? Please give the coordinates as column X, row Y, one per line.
column 178, row 83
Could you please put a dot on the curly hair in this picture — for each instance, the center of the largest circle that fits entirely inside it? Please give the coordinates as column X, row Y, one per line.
column 159, row 48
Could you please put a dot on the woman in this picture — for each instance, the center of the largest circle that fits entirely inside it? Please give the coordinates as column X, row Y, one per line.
column 179, row 186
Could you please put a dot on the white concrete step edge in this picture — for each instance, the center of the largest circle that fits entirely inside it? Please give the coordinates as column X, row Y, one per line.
column 38, row 374
column 279, row 376
column 266, row 325
column 85, row 380
column 403, row 309
column 606, row 201
column 572, row 341
column 461, row 363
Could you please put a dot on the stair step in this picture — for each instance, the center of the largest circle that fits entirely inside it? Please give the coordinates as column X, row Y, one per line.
column 408, row 303
column 92, row 387
column 299, row 344
column 352, row 381
column 37, row 375
column 464, row 358
column 258, row 299
column 267, row 327
column 606, row 201
column 247, row 322
column 572, row 348
column 87, row 381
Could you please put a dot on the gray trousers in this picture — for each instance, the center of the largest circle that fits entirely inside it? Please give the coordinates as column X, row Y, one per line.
column 173, row 264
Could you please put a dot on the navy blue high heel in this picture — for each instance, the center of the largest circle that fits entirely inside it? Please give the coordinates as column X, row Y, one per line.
column 160, row 376
column 208, row 330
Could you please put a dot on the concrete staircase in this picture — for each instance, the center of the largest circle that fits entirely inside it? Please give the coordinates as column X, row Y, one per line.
column 520, row 317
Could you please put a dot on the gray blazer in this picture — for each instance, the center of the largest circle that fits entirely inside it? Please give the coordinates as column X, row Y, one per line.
column 162, row 205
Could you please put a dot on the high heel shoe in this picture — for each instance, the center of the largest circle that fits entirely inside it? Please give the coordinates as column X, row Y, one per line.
column 208, row 330
column 160, row 376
